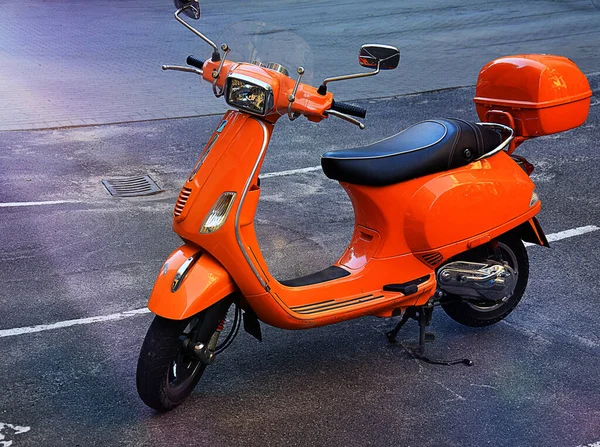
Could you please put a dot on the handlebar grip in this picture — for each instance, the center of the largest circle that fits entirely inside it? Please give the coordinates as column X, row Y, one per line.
column 349, row 109
column 198, row 63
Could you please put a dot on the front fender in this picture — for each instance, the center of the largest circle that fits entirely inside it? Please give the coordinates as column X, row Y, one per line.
column 204, row 282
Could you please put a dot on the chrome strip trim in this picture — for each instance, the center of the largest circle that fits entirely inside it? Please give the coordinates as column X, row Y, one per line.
column 239, row 210
column 501, row 145
column 181, row 272
column 379, row 45
column 251, row 80
column 404, row 152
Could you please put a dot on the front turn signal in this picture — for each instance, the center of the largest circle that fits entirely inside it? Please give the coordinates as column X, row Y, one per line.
column 217, row 215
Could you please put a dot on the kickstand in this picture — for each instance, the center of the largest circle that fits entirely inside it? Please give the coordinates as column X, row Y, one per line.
column 408, row 314
column 423, row 315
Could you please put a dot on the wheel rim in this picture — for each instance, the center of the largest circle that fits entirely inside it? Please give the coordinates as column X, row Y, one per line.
column 509, row 256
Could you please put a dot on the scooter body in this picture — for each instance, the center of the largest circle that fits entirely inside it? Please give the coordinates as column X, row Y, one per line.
column 402, row 233
column 439, row 220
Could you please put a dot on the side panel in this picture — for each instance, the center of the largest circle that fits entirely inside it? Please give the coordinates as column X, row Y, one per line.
column 438, row 210
column 464, row 203
column 205, row 282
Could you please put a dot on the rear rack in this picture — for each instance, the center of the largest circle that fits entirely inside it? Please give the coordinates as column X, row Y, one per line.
column 502, row 145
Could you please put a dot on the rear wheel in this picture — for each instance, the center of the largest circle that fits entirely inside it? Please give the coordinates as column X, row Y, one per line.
column 479, row 314
column 166, row 372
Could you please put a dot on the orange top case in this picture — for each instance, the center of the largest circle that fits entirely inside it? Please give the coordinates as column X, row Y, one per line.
column 545, row 94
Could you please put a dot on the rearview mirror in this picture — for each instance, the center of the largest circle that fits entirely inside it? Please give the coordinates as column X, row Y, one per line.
column 385, row 57
column 191, row 8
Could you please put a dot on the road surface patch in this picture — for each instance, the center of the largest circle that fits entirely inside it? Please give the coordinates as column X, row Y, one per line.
column 9, row 430
column 131, row 313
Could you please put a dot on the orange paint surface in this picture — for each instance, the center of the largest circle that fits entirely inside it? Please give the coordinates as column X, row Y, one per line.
column 545, row 94
column 205, row 283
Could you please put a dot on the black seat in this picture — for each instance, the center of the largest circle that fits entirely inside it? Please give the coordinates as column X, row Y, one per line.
column 424, row 148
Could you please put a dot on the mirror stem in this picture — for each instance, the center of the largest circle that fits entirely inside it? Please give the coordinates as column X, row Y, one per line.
column 323, row 87
column 215, row 56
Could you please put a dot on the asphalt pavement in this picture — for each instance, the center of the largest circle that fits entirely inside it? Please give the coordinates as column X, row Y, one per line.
column 76, row 62
column 83, row 253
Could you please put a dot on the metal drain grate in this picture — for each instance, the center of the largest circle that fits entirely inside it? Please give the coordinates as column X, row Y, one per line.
column 132, row 186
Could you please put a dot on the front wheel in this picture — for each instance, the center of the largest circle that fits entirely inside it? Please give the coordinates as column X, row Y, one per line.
column 166, row 372
column 479, row 314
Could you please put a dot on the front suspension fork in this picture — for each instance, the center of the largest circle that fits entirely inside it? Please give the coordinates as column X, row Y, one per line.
column 205, row 352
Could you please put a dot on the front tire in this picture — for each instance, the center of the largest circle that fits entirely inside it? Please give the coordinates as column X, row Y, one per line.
column 480, row 314
column 166, row 374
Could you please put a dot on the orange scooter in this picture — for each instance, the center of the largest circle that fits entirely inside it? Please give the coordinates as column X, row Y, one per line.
column 441, row 212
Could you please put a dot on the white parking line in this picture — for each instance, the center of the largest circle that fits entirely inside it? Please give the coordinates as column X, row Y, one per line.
column 568, row 233
column 49, row 202
column 131, row 313
column 290, row 172
column 10, row 430
column 68, row 323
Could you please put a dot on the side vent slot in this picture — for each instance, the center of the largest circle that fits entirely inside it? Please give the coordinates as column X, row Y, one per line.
column 184, row 195
column 433, row 258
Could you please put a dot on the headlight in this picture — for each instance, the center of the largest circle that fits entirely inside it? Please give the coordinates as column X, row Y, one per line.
column 248, row 94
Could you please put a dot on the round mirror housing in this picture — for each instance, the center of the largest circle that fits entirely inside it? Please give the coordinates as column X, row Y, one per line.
column 190, row 8
column 386, row 57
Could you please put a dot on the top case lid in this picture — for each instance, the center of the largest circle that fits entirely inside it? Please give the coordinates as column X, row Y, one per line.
column 531, row 81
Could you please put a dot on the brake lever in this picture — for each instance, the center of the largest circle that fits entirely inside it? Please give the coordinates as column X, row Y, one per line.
column 180, row 68
column 345, row 117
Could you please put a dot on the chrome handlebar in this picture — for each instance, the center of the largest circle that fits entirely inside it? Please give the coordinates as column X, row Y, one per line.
column 345, row 117
column 291, row 98
column 181, row 68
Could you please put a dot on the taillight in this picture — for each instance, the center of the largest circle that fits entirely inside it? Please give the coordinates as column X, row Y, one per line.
column 525, row 165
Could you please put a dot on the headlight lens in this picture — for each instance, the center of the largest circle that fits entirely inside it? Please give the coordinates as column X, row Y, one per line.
column 249, row 95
